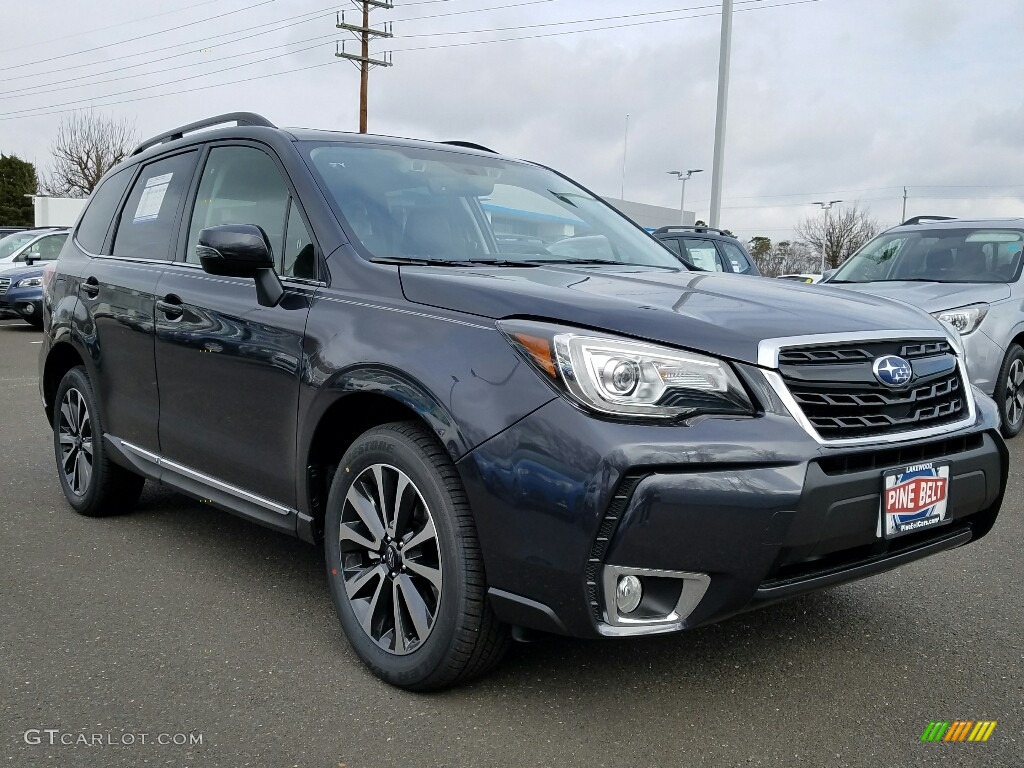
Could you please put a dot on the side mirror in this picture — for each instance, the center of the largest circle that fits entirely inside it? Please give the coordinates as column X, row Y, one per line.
column 32, row 258
column 827, row 274
column 241, row 250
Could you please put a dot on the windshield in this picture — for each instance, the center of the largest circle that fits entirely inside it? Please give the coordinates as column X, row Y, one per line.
column 938, row 255
column 436, row 205
column 11, row 243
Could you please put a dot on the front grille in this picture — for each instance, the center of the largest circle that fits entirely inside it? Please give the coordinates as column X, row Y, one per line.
column 836, row 389
column 917, row 453
column 5, row 283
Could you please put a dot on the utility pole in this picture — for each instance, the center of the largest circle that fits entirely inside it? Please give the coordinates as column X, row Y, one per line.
column 723, row 98
column 625, row 149
column 904, row 206
column 682, row 195
column 826, row 207
column 363, row 33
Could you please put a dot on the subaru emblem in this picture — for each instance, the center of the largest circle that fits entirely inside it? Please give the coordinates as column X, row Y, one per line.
column 892, row 371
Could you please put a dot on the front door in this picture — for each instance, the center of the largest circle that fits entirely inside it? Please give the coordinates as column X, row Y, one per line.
column 229, row 368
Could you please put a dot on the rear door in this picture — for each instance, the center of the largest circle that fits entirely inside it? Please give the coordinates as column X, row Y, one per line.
column 229, row 368
column 117, row 288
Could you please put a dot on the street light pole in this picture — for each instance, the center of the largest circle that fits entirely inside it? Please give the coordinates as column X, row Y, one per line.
column 826, row 207
column 682, row 195
column 723, row 98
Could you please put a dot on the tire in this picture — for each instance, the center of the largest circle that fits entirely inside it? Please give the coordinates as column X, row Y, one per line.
column 1009, row 392
column 94, row 486
column 454, row 635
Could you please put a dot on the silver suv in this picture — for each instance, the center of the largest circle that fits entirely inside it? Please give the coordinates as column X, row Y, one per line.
column 967, row 274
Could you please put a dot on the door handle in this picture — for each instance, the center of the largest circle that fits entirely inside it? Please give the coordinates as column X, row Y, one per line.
column 170, row 306
column 91, row 287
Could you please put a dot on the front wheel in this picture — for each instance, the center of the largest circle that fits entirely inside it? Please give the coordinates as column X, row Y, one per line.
column 1009, row 392
column 404, row 562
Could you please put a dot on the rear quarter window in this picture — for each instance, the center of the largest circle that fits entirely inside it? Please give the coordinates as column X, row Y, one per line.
column 102, row 207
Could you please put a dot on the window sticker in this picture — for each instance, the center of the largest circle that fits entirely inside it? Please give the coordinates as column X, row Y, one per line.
column 152, row 198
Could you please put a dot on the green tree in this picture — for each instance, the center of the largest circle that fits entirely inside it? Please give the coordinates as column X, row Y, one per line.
column 17, row 179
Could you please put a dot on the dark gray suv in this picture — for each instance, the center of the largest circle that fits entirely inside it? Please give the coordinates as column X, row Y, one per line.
column 333, row 335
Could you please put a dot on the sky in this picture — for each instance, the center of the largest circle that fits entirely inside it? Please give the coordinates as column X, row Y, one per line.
column 845, row 100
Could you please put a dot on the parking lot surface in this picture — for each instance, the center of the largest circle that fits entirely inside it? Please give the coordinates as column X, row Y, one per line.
column 182, row 623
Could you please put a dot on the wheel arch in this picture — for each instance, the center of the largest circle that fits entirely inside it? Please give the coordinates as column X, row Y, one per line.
column 61, row 358
column 350, row 403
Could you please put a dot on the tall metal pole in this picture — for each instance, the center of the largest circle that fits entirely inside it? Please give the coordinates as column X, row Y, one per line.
column 682, row 199
column 625, row 149
column 826, row 207
column 904, row 218
column 723, row 98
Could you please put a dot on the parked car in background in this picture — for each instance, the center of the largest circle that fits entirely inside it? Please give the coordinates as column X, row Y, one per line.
column 708, row 249
column 36, row 244
column 320, row 332
column 5, row 231
column 966, row 273
column 802, row 278
column 21, row 292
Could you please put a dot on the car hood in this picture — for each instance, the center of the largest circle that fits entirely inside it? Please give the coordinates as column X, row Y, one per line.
column 723, row 315
column 933, row 297
column 19, row 271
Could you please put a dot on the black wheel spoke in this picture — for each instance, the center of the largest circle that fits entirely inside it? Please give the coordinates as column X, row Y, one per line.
column 74, row 438
column 391, row 562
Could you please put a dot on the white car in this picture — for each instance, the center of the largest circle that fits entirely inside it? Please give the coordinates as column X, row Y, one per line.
column 39, row 244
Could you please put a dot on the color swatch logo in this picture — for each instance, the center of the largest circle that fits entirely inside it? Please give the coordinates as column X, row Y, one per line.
column 959, row 730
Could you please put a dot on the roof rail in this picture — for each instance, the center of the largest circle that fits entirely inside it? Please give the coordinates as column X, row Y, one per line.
column 919, row 219
column 690, row 227
column 470, row 145
column 238, row 118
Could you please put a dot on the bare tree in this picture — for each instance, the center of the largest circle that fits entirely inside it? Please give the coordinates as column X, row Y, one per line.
column 781, row 258
column 86, row 147
column 847, row 230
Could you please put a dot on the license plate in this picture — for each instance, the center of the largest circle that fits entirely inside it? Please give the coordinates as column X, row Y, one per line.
column 914, row 498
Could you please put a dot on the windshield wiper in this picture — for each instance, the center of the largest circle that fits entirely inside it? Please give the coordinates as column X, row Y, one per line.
column 576, row 262
column 413, row 261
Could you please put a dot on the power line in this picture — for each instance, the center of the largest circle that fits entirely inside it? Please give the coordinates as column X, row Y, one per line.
column 757, row 7
column 109, row 26
column 278, row 26
column 20, row 112
column 143, row 37
column 36, row 112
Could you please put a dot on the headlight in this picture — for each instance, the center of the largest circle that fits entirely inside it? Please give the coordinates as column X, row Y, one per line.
column 28, row 282
column 964, row 319
column 628, row 378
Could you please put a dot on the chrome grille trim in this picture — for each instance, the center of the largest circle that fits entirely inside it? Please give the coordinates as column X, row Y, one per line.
column 5, row 283
column 768, row 357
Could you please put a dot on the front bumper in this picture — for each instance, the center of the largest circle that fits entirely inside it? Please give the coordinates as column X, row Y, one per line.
column 24, row 303
column 755, row 505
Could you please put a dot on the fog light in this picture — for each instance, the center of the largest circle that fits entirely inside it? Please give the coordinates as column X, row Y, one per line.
column 28, row 309
column 628, row 594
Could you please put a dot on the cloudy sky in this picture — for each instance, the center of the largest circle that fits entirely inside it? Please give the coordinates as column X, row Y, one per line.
column 829, row 99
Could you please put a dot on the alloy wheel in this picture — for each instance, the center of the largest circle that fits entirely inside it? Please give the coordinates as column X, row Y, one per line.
column 1015, row 392
column 75, row 436
column 390, row 558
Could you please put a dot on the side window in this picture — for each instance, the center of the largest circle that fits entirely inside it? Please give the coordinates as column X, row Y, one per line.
column 735, row 259
column 702, row 254
column 148, row 218
column 241, row 185
column 299, row 254
column 45, row 248
column 673, row 245
column 102, row 209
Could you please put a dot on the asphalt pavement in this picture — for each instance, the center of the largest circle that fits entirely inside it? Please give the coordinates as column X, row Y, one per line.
column 180, row 635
